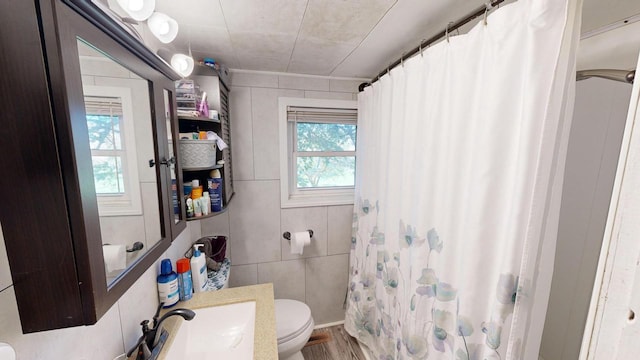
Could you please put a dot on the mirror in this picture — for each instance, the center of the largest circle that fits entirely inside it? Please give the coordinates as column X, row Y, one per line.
column 175, row 199
column 121, row 140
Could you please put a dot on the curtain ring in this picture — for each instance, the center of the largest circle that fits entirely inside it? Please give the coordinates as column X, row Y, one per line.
column 486, row 11
column 421, row 42
column 446, row 33
column 402, row 60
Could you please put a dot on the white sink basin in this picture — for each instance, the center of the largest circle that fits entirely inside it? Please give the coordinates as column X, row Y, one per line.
column 218, row 332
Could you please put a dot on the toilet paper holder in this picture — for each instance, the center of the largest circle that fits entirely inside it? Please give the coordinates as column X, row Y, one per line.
column 287, row 235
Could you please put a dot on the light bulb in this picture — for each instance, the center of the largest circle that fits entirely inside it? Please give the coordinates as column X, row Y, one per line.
column 182, row 64
column 135, row 5
column 163, row 27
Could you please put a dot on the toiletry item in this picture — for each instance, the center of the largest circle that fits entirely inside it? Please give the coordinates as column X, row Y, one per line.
column 214, row 183
column 196, row 192
column 199, row 269
column 206, row 203
column 197, row 206
column 190, row 212
column 195, row 183
column 187, row 188
column 185, row 283
column 202, row 135
column 168, row 284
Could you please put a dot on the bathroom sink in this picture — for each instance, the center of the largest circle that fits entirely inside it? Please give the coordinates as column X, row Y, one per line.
column 218, row 332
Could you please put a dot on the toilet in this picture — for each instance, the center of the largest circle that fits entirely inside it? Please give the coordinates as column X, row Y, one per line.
column 294, row 323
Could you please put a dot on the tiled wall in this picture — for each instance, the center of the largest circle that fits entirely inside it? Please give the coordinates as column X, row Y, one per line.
column 255, row 222
column 111, row 336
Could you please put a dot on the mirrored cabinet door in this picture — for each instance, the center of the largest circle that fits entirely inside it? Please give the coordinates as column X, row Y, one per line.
column 121, row 143
column 101, row 166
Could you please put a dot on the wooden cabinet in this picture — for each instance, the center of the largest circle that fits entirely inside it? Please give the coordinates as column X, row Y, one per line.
column 88, row 121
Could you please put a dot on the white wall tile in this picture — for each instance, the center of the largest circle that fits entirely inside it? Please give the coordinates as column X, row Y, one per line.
column 217, row 225
column 340, row 220
column 345, row 85
column 123, row 230
column 328, row 95
column 5, row 270
column 242, row 275
column 179, row 245
column 102, row 66
column 138, row 303
column 102, row 341
column 241, row 133
column 301, row 219
column 254, row 80
column 327, row 279
column 254, row 216
column 266, row 149
column 287, row 277
column 303, row 83
column 195, row 230
column 151, row 211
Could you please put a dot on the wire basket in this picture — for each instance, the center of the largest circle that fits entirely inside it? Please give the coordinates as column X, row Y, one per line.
column 196, row 154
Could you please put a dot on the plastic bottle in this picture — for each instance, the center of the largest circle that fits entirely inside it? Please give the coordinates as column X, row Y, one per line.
column 167, row 284
column 199, row 269
column 185, row 283
column 214, row 183
column 206, row 203
column 197, row 207
column 190, row 208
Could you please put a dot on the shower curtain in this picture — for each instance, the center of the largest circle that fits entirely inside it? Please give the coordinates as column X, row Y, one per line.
column 459, row 161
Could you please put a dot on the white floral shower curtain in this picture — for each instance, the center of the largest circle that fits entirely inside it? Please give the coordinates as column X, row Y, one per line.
column 457, row 192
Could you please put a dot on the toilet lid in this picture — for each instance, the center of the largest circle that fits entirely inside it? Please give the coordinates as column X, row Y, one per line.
column 292, row 318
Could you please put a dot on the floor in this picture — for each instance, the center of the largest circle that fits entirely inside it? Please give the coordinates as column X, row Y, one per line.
column 332, row 343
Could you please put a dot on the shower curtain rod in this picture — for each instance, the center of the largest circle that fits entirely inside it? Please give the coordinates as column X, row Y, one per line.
column 617, row 75
column 451, row 27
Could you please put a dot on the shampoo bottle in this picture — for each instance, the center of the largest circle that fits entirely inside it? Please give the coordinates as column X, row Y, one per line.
column 185, row 284
column 167, row 284
column 199, row 269
column 214, row 183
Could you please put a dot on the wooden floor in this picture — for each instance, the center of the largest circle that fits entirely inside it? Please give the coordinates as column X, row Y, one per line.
column 340, row 345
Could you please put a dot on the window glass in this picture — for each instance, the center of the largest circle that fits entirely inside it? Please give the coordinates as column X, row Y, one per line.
column 326, row 137
column 326, row 171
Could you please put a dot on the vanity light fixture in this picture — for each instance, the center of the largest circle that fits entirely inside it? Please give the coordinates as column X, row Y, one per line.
column 163, row 27
column 183, row 64
column 139, row 10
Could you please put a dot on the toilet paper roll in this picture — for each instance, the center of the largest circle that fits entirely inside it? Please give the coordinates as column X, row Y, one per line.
column 298, row 241
column 115, row 257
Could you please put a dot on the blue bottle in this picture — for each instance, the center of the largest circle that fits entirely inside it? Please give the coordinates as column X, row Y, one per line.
column 214, row 184
column 185, row 283
column 167, row 284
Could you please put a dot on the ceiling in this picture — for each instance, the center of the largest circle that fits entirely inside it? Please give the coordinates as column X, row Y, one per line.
column 341, row 38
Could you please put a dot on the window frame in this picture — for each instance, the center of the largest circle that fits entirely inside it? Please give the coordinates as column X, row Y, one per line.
column 290, row 195
column 130, row 202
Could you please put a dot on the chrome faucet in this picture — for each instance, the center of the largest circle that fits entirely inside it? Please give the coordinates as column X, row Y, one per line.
column 149, row 344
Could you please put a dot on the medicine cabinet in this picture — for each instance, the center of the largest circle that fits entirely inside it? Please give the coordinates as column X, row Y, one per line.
column 92, row 199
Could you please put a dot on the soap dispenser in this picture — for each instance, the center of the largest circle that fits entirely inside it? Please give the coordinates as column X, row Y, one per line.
column 199, row 269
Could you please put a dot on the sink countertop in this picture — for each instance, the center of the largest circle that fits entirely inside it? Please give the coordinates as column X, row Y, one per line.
column 265, row 346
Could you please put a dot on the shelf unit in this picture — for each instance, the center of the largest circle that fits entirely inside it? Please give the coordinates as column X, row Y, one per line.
column 209, row 80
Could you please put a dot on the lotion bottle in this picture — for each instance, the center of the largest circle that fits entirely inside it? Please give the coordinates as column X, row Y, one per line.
column 199, row 269
column 167, row 284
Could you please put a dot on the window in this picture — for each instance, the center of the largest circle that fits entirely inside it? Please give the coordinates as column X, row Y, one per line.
column 317, row 151
column 112, row 142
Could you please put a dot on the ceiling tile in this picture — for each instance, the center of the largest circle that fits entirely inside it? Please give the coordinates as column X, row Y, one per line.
column 263, row 31
column 331, row 29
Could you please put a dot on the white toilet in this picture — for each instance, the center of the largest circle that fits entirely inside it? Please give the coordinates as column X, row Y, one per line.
column 294, row 323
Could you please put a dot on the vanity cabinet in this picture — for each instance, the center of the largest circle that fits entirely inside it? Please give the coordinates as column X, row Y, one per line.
column 90, row 181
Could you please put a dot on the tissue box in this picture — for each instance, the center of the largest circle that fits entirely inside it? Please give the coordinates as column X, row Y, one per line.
column 196, row 154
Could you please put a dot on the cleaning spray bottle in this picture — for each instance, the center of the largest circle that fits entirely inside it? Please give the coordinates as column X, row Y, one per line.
column 199, row 269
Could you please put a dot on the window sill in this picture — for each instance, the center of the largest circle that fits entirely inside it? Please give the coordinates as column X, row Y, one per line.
column 296, row 201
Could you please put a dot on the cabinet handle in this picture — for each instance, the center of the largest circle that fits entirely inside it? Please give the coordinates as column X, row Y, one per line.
column 165, row 162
